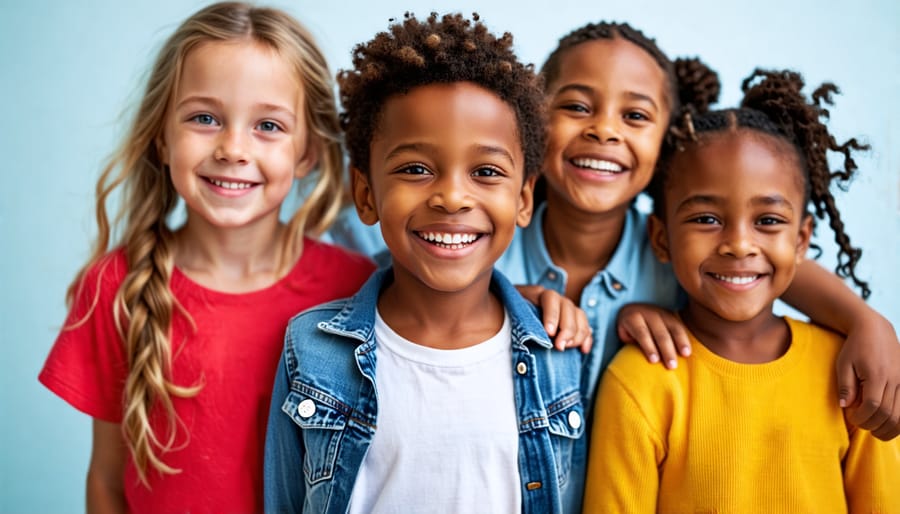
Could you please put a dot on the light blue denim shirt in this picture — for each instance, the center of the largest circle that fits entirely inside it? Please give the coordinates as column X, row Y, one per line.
column 324, row 409
column 633, row 274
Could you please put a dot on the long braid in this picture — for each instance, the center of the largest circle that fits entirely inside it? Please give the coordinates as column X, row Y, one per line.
column 144, row 305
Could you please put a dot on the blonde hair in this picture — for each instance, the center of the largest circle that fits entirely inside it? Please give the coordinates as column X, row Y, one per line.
column 144, row 304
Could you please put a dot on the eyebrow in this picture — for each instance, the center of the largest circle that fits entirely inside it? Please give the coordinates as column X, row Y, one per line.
column 425, row 147
column 587, row 90
column 218, row 103
column 713, row 200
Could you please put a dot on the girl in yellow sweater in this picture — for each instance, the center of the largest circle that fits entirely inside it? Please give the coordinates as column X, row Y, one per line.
column 748, row 424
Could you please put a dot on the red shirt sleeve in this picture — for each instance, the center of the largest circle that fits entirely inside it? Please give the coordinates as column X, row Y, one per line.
column 87, row 365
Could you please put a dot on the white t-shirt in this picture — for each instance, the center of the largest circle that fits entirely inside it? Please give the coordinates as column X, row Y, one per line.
column 447, row 433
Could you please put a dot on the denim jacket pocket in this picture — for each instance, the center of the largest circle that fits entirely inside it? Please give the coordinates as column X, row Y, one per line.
column 566, row 425
column 322, row 419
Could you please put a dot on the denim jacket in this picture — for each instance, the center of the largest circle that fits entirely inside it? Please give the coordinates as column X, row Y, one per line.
column 325, row 408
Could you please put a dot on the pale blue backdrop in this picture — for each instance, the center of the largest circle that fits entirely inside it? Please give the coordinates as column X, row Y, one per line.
column 69, row 69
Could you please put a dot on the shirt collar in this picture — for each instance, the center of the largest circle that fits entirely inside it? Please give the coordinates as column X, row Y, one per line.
column 619, row 274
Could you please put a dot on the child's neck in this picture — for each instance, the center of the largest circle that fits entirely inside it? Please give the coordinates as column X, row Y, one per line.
column 233, row 260
column 579, row 242
column 763, row 338
column 446, row 321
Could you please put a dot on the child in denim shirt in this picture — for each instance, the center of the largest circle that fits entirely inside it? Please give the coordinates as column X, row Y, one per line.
column 435, row 388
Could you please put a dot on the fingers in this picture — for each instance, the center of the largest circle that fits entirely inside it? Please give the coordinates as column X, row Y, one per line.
column 891, row 426
column 567, row 325
column 681, row 339
column 639, row 333
column 552, row 306
column 847, row 388
column 869, row 414
column 664, row 342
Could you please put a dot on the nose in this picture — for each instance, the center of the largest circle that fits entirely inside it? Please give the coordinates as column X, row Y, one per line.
column 451, row 193
column 232, row 147
column 737, row 241
column 603, row 128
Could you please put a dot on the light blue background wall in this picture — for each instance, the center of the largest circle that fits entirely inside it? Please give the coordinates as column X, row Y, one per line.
column 68, row 69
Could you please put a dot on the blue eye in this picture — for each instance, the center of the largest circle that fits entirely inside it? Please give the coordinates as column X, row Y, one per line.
column 204, row 119
column 269, row 126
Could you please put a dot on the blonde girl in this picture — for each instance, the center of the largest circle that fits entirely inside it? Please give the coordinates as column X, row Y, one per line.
column 173, row 334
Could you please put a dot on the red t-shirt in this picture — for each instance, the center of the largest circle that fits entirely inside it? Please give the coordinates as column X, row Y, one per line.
column 233, row 353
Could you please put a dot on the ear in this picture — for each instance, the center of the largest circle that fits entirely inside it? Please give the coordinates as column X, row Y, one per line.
column 526, row 202
column 659, row 238
column 804, row 237
column 363, row 197
column 309, row 159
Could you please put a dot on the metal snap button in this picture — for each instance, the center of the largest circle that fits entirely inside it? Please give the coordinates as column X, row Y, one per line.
column 306, row 408
column 574, row 420
column 521, row 368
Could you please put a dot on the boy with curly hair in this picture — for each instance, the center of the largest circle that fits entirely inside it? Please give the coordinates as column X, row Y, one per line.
column 435, row 388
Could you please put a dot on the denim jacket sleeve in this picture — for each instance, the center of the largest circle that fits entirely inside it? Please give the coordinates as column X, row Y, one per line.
column 283, row 471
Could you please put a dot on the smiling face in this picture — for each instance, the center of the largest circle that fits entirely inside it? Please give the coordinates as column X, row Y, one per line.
column 447, row 183
column 235, row 137
column 735, row 223
column 608, row 114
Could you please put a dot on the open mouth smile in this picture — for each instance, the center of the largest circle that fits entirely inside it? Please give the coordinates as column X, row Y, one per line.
column 737, row 280
column 451, row 241
column 227, row 184
column 600, row 165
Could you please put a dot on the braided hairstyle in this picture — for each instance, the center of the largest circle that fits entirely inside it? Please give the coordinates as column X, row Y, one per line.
column 144, row 305
column 773, row 104
column 437, row 50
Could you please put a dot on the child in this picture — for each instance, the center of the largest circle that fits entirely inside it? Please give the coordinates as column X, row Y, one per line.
column 409, row 397
column 173, row 335
column 745, row 424
column 611, row 92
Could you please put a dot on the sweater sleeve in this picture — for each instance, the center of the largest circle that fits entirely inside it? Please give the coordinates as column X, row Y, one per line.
column 625, row 452
column 871, row 474
column 87, row 365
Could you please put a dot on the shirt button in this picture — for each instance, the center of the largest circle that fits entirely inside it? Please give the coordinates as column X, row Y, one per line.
column 592, row 302
column 617, row 286
column 521, row 368
column 574, row 420
column 306, row 408
column 551, row 275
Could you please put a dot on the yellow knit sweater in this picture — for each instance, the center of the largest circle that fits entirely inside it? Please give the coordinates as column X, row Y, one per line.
column 716, row 436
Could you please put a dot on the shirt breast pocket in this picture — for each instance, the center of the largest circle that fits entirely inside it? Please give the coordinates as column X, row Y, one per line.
column 566, row 425
column 322, row 419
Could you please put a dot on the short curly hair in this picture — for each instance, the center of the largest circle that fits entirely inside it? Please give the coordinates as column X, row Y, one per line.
column 441, row 50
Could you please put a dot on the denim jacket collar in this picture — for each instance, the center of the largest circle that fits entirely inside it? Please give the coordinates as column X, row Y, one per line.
column 357, row 319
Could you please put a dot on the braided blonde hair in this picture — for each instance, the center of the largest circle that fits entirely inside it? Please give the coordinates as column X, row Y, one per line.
column 144, row 304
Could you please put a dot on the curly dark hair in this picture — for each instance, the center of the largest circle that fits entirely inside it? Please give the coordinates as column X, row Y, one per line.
column 611, row 30
column 773, row 104
column 441, row 50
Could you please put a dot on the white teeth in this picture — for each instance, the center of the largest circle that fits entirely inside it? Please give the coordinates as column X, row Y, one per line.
column 736, row 280
column 597, row 164
column 454, row 241
column 231, row 185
